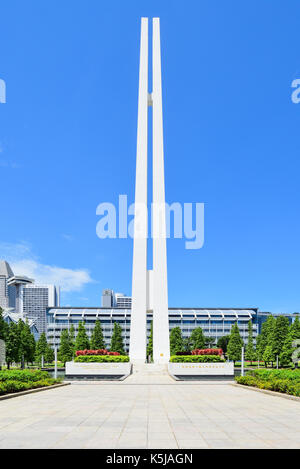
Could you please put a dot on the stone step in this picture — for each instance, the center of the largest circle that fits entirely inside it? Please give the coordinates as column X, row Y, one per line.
column 150, row 369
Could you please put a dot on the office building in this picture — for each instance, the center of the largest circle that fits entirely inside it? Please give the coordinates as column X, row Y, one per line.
column 6, row 293
column 35, row 299
column 22, row 296
column 117, row 300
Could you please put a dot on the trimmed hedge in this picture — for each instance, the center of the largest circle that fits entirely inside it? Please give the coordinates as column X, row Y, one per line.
column 10, row 386
column 262, row 374
column 196, row 359
column 101, row 358
column 22, row 380
column 285, row 381
column 24, row 376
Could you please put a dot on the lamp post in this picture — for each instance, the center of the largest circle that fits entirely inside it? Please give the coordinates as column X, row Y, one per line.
column 55, row 361
column 242, row 364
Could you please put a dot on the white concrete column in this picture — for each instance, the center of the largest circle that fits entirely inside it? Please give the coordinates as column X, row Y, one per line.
column 137, row 349
column 161, row 343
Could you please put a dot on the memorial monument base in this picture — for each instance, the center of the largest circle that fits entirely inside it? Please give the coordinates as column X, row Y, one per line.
column 201, row 371
column 97, row 371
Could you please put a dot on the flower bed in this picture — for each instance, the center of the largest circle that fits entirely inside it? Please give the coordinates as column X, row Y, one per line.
column 208, row 351
column 285, row 381
column 101, row 358
column 95, row 352
column 196, row 359
column 205, row 351
column 21, row 380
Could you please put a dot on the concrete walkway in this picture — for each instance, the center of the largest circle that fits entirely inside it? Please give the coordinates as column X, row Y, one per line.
column 149, row 373
column 165, row 415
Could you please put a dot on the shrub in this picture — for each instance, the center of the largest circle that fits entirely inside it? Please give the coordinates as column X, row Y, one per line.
column 285, row 381
column 25, row 376
column 293, row 375
column 196, row 359
column 10, row 385
column 101, row 358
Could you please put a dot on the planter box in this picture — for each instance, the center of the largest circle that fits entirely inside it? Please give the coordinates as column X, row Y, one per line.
column 97, row 371
column 183, row 371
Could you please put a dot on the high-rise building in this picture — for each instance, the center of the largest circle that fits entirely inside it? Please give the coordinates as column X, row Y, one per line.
column 35, row 299
column 6, row 294
column 107, row 298
column 15, row 284
column 111, row 299
column 122, row 301
column 21, row 296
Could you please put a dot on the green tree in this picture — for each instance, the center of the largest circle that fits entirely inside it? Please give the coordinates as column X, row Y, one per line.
column 234, row 348
column 117, row 344
column 187, row 345
column 197, row 338
column 49, row 355
column 12, row 344
column 82, row 341
column 41, row 347
column 3, row 326
column 295, row 329
column 288, row 348
column 209, row 342
column 268, row 356
column 27, row 343
column 264, row 338
column 65, row 352
column 72, row 337
column 250, row 353
column 176, row 341
column 97, row 339
column 21, row 326
column 223, row 343
column 285, row 356
column 279, row 334
column 150, row 342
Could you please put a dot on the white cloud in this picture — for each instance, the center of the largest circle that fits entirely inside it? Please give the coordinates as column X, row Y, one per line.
column 23, row 262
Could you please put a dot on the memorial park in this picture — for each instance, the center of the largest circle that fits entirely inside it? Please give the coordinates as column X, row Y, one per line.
column 151, row 370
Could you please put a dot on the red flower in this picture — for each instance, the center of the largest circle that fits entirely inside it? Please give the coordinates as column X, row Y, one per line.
column 208, row 351
column 91, row 352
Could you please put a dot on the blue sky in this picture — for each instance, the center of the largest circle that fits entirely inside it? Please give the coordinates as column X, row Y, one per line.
column 68, row 142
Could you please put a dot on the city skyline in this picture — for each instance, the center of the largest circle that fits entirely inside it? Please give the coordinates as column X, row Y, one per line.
column 228, row 103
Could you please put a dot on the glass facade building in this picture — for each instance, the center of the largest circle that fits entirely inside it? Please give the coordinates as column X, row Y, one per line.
column 35, row 299
column 214, row 322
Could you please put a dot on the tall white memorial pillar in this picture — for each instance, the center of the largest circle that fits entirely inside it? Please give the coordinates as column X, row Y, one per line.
column 138, row 341
column 149, row 289
column 161, row 342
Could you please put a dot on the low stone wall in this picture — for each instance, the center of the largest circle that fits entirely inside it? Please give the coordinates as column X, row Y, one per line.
column 94, row 370
column 222, row 370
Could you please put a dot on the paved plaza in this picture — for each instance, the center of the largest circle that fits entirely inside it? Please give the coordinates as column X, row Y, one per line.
column 160, row 414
